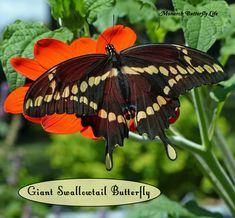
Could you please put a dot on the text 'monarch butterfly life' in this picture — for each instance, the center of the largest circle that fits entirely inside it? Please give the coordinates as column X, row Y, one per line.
column 107, row 91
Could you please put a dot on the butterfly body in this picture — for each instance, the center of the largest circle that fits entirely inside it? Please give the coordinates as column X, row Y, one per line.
column 121, row 82
column 106, row 91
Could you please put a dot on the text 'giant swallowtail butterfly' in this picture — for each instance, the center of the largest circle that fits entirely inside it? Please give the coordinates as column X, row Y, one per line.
column 106, row 91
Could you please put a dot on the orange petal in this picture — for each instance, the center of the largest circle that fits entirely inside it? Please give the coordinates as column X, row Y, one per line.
column 83, row 46
column 15, row 100
column 62, row 123
column 88, row 133
column 33, row 119
column 119, row 36
column 50, row 52
column 27, row 67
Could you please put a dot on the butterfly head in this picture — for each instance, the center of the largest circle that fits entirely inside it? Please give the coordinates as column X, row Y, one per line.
column 110, row 49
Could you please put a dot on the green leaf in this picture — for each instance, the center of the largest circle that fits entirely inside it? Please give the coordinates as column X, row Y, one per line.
column 164, row 207
column 59, row 8
column 221, row 92
column 202, row 31
column 62, row 8
column 71, row 12
column 80, row 7
column 228, row 44
column 179, row 4
column 230, row 28
column 18, row 41
column 150, row 3
column 146, row 12
column 158, row 208
column 93, row 7
column 193, row 207
column 157, row 30
column 170, row 23
column 227, row 48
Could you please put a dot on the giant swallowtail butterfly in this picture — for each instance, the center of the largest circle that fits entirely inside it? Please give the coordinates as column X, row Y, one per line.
column 107, row 90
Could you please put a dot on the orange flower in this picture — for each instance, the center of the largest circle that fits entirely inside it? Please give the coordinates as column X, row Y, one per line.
column 50, row 52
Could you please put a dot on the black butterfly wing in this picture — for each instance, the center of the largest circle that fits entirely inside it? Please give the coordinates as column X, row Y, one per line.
column 74, row 87
column 153, row 110
column 157, row 75
column 172, row 69
column 85, row 86
column 109, row 122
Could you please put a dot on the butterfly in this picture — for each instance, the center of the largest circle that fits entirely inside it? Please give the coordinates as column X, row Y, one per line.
column 106, row 91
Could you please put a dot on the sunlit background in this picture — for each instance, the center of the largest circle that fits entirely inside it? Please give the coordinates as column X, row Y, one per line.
column 28, row 10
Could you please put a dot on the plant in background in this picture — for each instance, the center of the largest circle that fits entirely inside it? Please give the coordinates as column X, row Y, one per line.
column 199, row 32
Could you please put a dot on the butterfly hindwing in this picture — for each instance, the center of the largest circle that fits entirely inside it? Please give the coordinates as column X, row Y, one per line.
column 153, row 110
column 109, row 121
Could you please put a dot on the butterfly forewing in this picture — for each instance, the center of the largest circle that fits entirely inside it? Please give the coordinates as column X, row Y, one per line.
column 73, row 87
column 172, row 69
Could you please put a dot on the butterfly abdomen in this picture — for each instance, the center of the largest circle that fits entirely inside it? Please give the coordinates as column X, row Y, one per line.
column 124, row 85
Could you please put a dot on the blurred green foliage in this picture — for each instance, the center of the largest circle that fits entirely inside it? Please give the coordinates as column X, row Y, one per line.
column 163, row 207
column 37, row 156
column 75, row 13
column 202, row 31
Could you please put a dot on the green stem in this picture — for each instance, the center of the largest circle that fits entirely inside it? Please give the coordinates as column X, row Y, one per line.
column 86, row 30
column 229, row 160
column 213, row 170
column 201, row 116
column 12, row 134
column 207, row 172
column 207, row 160
column 216, row 114
column 10, row 151
column 178, row 140
column 210, row 166
column 187, row 144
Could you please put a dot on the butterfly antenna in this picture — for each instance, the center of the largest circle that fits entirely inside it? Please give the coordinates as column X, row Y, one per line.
column 104, row 38
column 113, row 19
column 112, row 32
